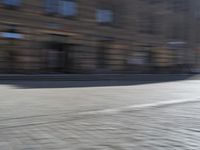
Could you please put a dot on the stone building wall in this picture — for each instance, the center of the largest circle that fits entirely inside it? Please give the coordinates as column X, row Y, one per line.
column 136, row 41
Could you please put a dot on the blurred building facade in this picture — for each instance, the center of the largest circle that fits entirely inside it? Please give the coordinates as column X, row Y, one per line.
column 99, row 36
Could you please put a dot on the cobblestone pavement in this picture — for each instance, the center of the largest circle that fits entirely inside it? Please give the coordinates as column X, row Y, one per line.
column 58, row 119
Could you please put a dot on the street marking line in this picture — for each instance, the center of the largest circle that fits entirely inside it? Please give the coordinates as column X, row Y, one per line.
column 76, row 116
column 140, row 107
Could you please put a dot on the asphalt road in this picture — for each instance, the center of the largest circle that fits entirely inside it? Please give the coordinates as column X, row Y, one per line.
column 122, row 115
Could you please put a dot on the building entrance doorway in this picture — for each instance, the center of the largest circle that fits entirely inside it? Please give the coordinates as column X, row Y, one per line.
column 103, row 55
column 58, row 58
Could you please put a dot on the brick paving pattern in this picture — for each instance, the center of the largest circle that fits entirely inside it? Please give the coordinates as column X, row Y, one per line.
column 42, row 124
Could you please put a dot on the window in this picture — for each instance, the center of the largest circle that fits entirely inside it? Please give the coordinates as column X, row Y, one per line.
column 11, row 33
column 104, row 16
column 63, row 7
column 67, row 8
column 12, row 2
column 51, row 6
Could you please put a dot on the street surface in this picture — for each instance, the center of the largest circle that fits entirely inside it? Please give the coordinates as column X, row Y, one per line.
column 123, row 115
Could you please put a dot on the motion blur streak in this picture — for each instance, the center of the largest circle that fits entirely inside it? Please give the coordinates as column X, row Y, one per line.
column 99, row 74
column 99, row 36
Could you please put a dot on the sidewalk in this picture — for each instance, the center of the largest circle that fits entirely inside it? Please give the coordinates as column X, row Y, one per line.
column 88, row 118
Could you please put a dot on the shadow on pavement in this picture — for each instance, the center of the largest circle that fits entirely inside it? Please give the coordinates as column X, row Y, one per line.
column 31, row 84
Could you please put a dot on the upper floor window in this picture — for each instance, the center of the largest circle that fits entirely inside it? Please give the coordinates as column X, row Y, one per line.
column 12, row 2
column 67, row 7
column 105, row 16
column 63, row 7
column 51, row 6
column 11, row 33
